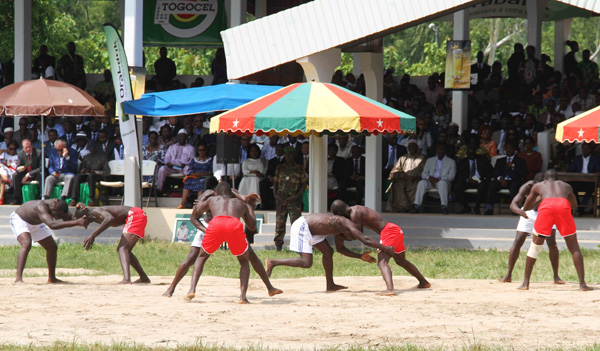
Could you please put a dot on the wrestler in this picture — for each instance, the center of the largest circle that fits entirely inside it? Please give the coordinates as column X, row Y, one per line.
column 134, row 222
column 30, row 223
column 390, row 234
column 556, row 207
column 525, row 227
column 225, row 226
column 193, row 257
column 311, row 230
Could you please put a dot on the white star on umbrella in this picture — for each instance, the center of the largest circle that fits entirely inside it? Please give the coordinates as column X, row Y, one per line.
column 580, row 133
column 380, row 123
column 235, row 123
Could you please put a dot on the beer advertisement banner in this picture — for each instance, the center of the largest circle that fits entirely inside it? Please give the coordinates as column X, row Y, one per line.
column 123, row 91
column 458, row 64
column 184, row 23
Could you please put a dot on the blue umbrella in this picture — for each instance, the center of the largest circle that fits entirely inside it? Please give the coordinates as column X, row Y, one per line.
column 196, row 100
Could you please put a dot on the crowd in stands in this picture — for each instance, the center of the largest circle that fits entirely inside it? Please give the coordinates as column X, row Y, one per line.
column 498, row 149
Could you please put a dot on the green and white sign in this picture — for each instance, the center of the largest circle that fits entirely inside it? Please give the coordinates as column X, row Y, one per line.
column 184, row 22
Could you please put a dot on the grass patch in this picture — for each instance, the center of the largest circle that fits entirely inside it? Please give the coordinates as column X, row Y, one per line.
column 61, row 346
column 161, row 258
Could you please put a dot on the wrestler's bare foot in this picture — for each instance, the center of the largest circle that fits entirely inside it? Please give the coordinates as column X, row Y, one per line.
column 167, row 293
column 387, row 293
column 19, row 281
column 275, row 291
column 506, row 279
column 56, row 281
column 523, row 287
column 268, row 267
column 422, row 286
column 243, row 301
column 335, row 288
column 124, row 282
column 142, row 281
column 557, row 280
column 189, row 297
column 584, row 287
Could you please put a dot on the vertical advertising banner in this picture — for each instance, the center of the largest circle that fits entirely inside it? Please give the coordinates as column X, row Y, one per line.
column 184, row 22
column 122, row 83
column 458, row 64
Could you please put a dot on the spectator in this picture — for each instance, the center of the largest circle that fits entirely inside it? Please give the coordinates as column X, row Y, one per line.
column 218, row 67
column 70, row 68
column 500, row 135
column 533, row 159
column 28, row 168
column 165, row 136
column 62, row 167
column 8, row 168
column 8, row 137
column 196, row 174
column 107, row 125
column 106, row 146
column 41, row 62
column 344, row 147
column 266, row 184
column 336, row 166
column 253, row 171
column 49, row 144
column 585, row 100
column 588, row 69
column 390, row 153
column 302, row 158
column 439, row 172
column 33, row 137
column 513, row 64
column 268, row 150
column 570, row 61
column 587, row 162
column 80, row 125
column 22, row 133
column 244, row 147
column 405, row 176
column 485, row 137
column 70, row 133
column 529, row 69
column 508, row 174
column 355, row 175
column 177, row 157
column 165, row 69
column 482, row 70
column 473, row 172
column 93, row 169
column 104, row 90
column 193, row 138
column 432, row 91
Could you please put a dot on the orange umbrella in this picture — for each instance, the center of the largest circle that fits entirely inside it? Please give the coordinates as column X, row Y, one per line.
column 42, row 97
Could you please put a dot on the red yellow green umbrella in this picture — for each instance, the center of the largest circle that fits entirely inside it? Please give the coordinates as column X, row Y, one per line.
column 583, row 127
column 312, row 108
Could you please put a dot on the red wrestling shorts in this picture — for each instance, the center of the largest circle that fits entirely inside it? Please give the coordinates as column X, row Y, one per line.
column 225, row 228
column 392, row 235
column 136, row 222
column 554, row 210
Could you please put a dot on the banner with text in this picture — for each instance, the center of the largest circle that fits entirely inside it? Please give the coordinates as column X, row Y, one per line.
column 458, row 64
column 184, row 23
column 122, row 83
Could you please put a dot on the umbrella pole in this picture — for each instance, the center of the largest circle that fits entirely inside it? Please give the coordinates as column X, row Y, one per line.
column 43, row 163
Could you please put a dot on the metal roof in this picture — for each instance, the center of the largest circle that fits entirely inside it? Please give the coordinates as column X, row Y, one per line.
column 319, row 25
column 323, row 24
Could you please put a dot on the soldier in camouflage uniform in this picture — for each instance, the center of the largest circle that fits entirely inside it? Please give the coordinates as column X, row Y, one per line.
column 289, row 184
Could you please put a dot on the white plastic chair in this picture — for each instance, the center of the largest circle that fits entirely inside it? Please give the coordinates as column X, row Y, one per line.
column 117, row 168
column 148, row 170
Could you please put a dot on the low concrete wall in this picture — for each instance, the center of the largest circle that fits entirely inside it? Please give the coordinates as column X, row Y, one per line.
column 160, row 222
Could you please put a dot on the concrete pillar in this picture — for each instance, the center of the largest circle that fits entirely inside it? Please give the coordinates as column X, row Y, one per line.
column 459, row 97
column 22, row 40
column 562, row 29
column 260, row 8
column 237, row 12
column 319, row 68
column 371, row 64
column 132, row 42
column 535, row 16
column 356, row 65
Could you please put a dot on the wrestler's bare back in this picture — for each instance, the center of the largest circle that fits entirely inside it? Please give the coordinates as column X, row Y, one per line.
column 319, row 224
column 31, row 210
column 119, row 214
column 366, row 217
column 225, row 206
column 552, row 188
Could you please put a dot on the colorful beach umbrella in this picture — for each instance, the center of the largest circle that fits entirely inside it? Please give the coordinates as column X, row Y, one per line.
column 312, row 108
column 583, row 127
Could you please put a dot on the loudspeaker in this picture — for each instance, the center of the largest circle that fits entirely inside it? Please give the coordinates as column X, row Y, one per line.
column 228, row 148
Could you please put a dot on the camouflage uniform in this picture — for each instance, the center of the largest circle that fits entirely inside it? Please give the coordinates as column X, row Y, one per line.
column 289, row 177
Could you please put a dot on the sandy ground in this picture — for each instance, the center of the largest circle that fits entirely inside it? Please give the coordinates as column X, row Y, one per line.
column 451, row 313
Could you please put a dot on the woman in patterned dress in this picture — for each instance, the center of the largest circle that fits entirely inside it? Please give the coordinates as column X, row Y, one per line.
column 196, row 172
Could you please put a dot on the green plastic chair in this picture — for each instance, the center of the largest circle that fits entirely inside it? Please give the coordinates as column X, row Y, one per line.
column 30, row 192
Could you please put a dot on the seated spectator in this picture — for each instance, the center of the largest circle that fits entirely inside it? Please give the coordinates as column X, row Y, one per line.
column 177, row 157
column 33, row 138
column 302, row 157
column 267, row 198
column 233, row 170
column 485, row 135
column 8, row 168
column 441, row 118
column 423, row 137
column 51, row 124
column 253, row 171
column 62, row 167
column 196, row 174
column 344, row 147
column 439, row 172
column 268, row 150
column 106, row 146
column 70, row 133
column 454, row 137
column 487, row 96
column 508, row 174
column 107, row 125
column 28, row 168
column 94, row 130
column 545, row 119
column 587, row 162
column 533, row 159
column 80, row 145
column 49, row 144
column 473, row 129
column 165, row 137
column 335, row 168
column 585, row 100
column 391, row 153
column 473, row 172
column 355, row 174
column 500, row 135
column 432, row 90
column 104, row 89
column 472, row 140
column 405, row 176
column 93, row 169
column 193, row 138
column 8, row 138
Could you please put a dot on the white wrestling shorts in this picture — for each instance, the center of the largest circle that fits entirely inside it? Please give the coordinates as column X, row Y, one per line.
column 38, row 232
column 199, row 235
column 301, row 240
column 526, row 224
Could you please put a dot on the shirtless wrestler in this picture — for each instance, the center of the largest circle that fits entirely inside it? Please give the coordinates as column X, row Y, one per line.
column 525, row 227
column 390, row 234
column 311, row 230
column 134, row 222
column 555, row 208
column 30, row 223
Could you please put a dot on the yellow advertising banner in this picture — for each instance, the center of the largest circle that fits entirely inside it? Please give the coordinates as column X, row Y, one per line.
column 458, row 64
